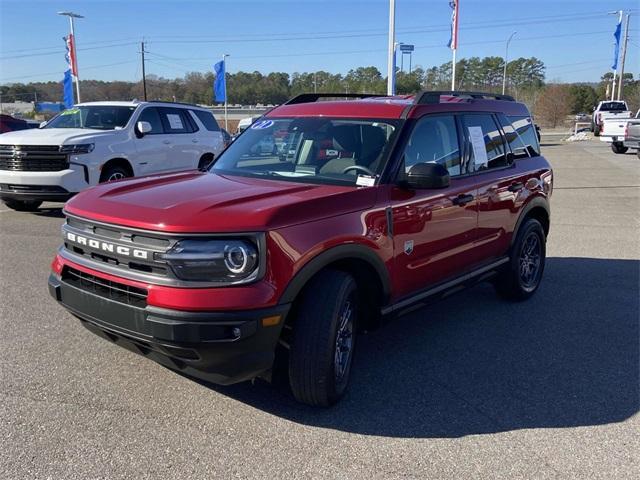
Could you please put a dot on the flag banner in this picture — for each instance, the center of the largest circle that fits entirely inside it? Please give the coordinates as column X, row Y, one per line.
column 453, row 39
column 67, row 89
column 220, row 82
column 616, row 48
column 71, row 54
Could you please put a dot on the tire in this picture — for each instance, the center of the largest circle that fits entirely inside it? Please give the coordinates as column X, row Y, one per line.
column 596, row 130
column 521, row 277
column 23, row 205
column 618, row 147
column 319, row 369
column 205, row 161
column 113, row 173
column 638, row 153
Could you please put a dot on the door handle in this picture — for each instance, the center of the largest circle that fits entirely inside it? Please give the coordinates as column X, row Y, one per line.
column 194, row 140
column 516, row 186
column 166, row 142
column 462, row 199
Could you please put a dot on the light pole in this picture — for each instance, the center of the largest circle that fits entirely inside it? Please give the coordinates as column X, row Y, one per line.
column 506, row 61
column 71, row 16
column 391, row 59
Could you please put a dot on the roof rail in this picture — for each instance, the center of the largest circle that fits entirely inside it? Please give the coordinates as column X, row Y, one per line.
column 427, row 97
column 314, row 97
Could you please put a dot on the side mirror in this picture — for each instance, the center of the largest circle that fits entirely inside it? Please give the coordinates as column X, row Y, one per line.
column 143, row 128
column 427, row 176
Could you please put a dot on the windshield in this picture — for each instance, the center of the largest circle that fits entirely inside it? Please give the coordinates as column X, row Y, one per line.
column 613, row 107
column 103, row 117
column 316, row 150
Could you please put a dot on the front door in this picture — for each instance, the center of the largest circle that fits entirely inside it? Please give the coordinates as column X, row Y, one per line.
column 153, row 147
column 433, row 230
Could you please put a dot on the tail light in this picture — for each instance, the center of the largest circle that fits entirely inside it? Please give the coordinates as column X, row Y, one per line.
column 626, row 130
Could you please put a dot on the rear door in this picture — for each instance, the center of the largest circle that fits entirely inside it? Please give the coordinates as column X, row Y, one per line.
column 434, row 231
column 183, row 147
column 210, row 136
column 502, row 177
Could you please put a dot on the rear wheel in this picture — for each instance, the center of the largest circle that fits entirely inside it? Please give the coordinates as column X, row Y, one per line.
column 23, row 205
column 618, row 147
column 596, row 130
column 521, row 278
column 324, row 336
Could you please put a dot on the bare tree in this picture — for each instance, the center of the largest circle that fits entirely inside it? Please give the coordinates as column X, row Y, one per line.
column 553, row 105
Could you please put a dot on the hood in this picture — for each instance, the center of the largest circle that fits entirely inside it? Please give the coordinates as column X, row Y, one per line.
column 198, row 202
column 52, row 136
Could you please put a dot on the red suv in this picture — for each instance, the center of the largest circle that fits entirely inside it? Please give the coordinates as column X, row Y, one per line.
column 326, row 216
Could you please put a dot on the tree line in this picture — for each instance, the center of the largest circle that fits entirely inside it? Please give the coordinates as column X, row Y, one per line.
column 525, row 81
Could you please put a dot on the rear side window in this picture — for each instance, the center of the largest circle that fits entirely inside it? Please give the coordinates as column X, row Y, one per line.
column 516, row 144
column 434, row 140
column 207, row 120
column 152, row 116
column 176, row 120
column 486, row 147
column 525, row 128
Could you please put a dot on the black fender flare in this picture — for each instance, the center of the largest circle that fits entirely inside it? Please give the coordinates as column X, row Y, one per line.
column 535, row 202
column 341, row 252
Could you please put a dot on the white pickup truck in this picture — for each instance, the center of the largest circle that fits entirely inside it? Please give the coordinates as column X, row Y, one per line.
column 613, row 131
column 608, row 109
column 99, row 142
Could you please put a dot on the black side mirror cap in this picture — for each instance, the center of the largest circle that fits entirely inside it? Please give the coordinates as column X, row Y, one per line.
column 427, row 176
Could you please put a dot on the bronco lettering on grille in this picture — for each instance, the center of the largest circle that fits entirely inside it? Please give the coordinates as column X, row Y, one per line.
column 107, row 246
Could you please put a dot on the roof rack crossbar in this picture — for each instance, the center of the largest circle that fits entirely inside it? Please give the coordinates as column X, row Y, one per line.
column 314, row 97
column 430, row 97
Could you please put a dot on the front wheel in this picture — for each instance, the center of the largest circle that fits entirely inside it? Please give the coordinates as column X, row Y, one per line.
column 113, row 173
column 23, row 205
column 618, row 147
column 521, row 277
column 324, row 337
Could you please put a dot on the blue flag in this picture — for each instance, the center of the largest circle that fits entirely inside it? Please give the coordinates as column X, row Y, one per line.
column 616, row 48
column 67, row 89
column 220, row 82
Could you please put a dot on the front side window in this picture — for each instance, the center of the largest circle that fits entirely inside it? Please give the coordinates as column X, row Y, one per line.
column 316, row 150
column 486, row 148
column 152, row 116
column 434, row 140
column 96, row 117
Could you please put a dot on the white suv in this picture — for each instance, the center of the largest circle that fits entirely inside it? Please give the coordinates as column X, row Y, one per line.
column 103, row 141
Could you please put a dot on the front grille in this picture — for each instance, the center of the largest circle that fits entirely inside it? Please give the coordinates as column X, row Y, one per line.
column 100, row 246
column 32, row 158
column 118, row 292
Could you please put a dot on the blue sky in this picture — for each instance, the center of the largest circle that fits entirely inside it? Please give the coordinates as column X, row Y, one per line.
column 573, row 37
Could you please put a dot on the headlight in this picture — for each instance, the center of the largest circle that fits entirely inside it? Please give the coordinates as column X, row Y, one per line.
column 79, row 148
column 221, row 260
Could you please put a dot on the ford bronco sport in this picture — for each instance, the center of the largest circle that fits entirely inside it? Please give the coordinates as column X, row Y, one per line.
column 323, row 218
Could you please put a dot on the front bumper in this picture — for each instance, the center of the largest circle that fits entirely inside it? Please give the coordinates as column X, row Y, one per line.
column 220, row 347
column 46, row 186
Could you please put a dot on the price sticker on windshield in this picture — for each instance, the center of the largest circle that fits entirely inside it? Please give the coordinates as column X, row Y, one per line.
column 262, row 124
column 365, row 181
column 71, row 111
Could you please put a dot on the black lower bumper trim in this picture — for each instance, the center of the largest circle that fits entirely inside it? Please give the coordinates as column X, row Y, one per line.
column 220, row 347
column 53, row 193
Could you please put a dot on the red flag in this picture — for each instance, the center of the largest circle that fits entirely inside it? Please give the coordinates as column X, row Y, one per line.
column 71, row 48
column 453, row 41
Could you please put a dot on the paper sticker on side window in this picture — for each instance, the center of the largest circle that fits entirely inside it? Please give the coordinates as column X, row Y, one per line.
column 175, row 122
column 477, row 143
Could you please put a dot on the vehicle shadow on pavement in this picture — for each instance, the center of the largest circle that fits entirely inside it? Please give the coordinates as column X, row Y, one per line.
column 475, row 364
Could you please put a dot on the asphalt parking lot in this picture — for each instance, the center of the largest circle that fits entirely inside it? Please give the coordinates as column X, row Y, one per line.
column 471, row 387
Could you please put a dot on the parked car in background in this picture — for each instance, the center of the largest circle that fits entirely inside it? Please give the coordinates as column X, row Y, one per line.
column 608, row 109
column 100, row 142
column 280, row 255
column 11, row 124
column 613, row 131
column 632, row 134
